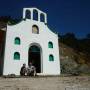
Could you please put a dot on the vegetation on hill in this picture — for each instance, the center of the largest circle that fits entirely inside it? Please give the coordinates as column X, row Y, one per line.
column 74, row 54
column 9, row 20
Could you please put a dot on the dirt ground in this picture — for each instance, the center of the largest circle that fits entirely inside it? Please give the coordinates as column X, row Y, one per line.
column 46, row 83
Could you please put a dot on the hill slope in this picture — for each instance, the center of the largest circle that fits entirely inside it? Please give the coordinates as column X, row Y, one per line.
column 73, row 61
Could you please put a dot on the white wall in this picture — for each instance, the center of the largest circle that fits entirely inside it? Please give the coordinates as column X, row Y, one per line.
column 24, row 31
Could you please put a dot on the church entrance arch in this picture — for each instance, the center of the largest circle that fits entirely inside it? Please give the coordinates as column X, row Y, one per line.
column 35, row 56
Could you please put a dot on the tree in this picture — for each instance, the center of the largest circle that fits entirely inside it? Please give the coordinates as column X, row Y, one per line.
column 88, row 36
column 69, row 39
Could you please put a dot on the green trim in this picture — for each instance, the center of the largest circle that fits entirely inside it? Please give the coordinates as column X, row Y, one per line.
column 51, row 58
column 16, row 56
column 17, row 41
column 34, row 49
column 50, row 45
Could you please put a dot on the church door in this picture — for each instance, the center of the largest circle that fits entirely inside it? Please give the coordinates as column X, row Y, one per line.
column 35, row 57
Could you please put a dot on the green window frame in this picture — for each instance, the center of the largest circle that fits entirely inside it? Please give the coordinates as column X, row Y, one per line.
column 16, row 56
column 50, row 45
column 51, row 57
column 17, row 41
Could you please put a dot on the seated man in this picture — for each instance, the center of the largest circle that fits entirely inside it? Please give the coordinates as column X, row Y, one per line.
column 31, row 70
column 23, row 70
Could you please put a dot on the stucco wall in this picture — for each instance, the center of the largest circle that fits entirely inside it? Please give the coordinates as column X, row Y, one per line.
column 24, row 31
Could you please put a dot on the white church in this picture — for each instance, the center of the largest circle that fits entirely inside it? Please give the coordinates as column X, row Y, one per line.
column 31, row 41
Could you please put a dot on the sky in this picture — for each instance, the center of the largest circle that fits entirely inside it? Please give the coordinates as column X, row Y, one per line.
column 63, row 15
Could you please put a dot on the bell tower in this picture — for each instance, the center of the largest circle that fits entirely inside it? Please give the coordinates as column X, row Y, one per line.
column 35, row 14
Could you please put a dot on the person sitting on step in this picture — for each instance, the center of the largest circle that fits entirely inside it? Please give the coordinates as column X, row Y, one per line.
column 31, row 70
column 23, row 70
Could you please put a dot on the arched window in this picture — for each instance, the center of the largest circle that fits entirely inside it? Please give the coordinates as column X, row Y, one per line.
column 50, row 45
column 35, row 29
column 35, row 15
column 16, row 56
column 42, row 17
column 28, row 14
column 17, row 41
column 51, row 57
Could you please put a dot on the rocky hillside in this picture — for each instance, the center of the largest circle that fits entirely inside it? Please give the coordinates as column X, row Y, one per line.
column 72, row 61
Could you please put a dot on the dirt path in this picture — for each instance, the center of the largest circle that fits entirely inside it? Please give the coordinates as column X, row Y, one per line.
column 46, row 83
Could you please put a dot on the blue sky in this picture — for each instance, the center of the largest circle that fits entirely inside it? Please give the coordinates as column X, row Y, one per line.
column 63, row 15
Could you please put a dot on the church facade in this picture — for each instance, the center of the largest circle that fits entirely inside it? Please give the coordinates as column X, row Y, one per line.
column 31, row 41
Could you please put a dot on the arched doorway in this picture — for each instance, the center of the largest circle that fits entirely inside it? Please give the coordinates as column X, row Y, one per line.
column 34, row 56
